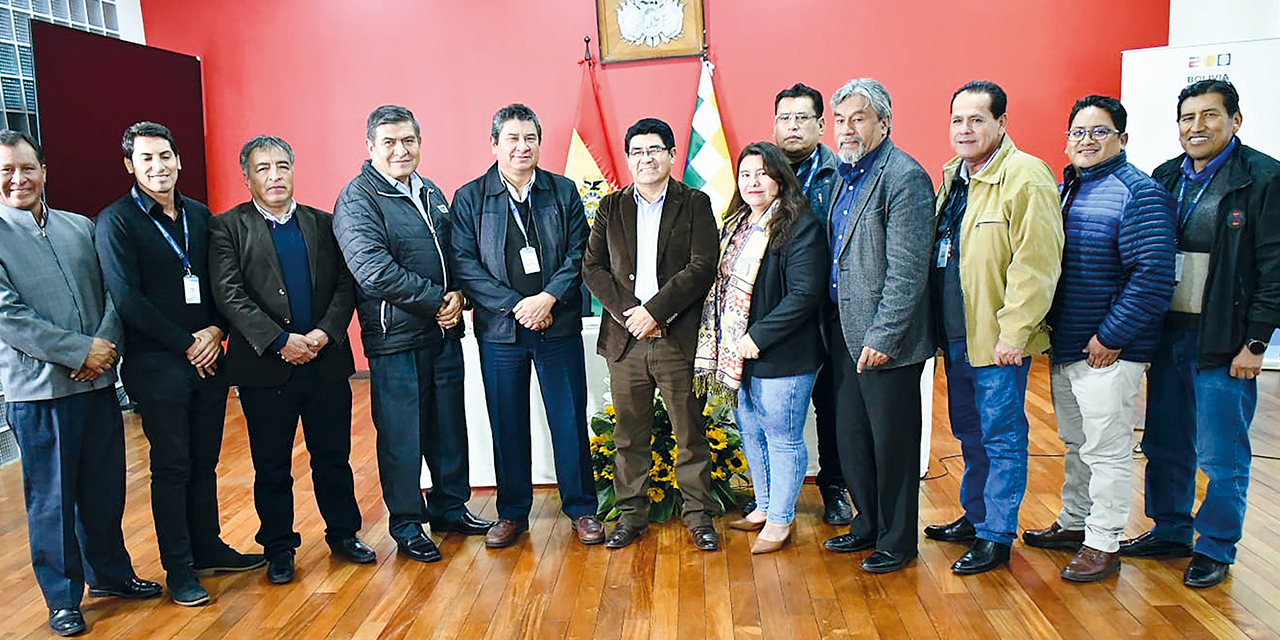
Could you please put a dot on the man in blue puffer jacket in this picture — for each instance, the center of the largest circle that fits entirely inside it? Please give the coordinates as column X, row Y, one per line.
column 1117, row 280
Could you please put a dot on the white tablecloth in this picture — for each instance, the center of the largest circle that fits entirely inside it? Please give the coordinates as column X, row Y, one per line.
column 480, row 438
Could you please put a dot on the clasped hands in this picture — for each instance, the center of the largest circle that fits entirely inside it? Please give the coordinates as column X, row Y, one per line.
column 301, row 349
column 534, row 312
column 102, row 356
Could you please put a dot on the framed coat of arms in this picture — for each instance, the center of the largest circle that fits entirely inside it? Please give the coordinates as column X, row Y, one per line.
column 645, row 29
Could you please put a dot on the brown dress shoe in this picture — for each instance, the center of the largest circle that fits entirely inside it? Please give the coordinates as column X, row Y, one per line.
column 589, row 529
column 1054, row 537
column 1091, row 565
column 504, row 533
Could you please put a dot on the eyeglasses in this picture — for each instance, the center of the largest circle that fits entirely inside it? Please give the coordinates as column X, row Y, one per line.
column 653, row 151
column 1097, row 134
column 798, row 118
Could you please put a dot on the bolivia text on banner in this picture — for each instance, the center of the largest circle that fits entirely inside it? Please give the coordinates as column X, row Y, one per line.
column 708, row 166
column 590, row 165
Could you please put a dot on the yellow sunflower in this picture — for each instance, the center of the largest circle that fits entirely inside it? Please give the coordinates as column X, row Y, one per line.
column 656, row 494
column 608, row 409
column 737, row 463
column 718, row 474
column 717, row 439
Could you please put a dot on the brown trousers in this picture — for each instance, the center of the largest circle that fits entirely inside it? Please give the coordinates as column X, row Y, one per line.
column 648, row 364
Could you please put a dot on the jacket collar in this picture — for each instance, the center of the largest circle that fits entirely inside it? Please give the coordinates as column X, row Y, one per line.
column 493, row 184
column 1100, row 170
column 993, row 172
column 22, row 216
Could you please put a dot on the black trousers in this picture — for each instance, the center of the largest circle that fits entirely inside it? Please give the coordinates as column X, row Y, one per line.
column 73, row 484
column 271, row 415
column 824, row 415
column 182, row 416
column 419, row 410
column 879, row 416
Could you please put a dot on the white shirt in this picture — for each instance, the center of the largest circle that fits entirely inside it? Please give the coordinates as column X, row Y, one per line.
column 648, row 219
column 293, row 206
column 519, row 195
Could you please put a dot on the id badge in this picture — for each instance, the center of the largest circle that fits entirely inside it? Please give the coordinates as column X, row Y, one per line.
column 529, row 258
column 1178, row 262
column 191, row 288
column 944, row 253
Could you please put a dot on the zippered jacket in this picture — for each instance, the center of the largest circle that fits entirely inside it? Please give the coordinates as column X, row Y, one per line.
column 399, row 260
column 1242, row 292
column 1117, row 263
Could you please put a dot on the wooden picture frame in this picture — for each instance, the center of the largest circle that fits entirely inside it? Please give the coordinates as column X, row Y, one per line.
column 649, row 29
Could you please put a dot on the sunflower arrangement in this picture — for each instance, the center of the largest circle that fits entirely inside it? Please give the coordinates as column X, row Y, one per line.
column 728, row 464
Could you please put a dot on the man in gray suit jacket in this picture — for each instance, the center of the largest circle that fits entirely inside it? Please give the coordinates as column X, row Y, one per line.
column 59, row 332
column 881, row 216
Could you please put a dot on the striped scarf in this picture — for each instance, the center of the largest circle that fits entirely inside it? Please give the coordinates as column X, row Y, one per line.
column 716, row 364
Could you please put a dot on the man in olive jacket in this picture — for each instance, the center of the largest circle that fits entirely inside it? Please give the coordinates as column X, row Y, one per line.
column 996, row 261
column 279, row 280
column 650, row 260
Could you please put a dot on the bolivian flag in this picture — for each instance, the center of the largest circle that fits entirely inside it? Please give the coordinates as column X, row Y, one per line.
column 590, row 165
column 708, row 166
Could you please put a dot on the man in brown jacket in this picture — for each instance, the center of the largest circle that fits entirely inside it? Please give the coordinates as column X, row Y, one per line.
column 650, row 261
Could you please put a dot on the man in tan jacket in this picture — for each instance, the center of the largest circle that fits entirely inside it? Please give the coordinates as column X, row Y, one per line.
column 997, row 256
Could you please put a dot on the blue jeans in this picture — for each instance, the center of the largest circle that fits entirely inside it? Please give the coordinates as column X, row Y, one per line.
column 985, row 405
column 562, row 377
column 770, row 415
column 1195, row 416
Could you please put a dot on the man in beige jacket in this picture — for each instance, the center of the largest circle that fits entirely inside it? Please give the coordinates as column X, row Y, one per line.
column 997, row 256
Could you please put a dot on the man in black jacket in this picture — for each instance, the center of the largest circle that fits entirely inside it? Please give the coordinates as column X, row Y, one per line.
column 518, row 240
column 154, row 247
column 393, row 227
column 279, row 279
column 1202, row 385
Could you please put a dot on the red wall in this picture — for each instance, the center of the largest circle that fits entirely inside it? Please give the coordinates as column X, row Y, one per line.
column 311, row 71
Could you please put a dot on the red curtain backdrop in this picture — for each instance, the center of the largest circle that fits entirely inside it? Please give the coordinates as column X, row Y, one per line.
column 311, row 71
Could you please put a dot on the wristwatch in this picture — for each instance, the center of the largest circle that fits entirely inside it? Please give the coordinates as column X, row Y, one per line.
column 1256, row 347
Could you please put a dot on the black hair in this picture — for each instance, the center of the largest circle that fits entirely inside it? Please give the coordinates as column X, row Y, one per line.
column 800, row 90
column 1112, row 106
column 791, row 201
column 514, row 111
column 12, row 138
column 146, row 129
column 1230, row 99
column 646, row 126
column 999, row 101
column 389, row 114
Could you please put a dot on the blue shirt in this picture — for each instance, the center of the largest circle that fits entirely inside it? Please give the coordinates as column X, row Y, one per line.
column 291, row 251
column 851, row 176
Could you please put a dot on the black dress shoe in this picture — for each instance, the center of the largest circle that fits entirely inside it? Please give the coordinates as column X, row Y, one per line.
column 280, row 567
column 848, row 543
column 835, row 506
column 748, row 507
column 1054, row 537
column 1148, row 545
column 134, row 588
column 886, row 561
column 959, row 531
column 983, row 556
column 1204, row 571
column 623, row 535
column 66, row 622
column 465, row 523
column 352, row 548
column 227, row 560
column 185, row 589
column 705, row 538
column 419, row 548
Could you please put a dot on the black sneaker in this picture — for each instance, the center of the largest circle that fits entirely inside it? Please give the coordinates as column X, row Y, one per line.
column 280, row 567
column 227, row 560
column 185, row 589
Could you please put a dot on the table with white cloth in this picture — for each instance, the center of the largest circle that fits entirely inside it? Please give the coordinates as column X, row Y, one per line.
column 480, row 438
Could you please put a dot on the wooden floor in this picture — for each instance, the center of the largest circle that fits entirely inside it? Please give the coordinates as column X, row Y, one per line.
column 549, row 586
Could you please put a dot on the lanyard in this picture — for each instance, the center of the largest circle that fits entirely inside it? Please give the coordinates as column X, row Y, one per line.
column 813, row 169
column 173, row 244
column 1184, row 215
column 515, row 212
